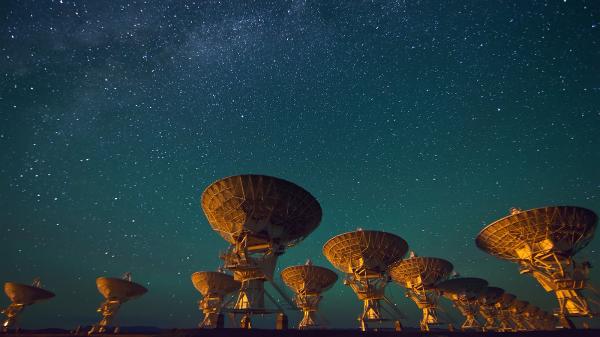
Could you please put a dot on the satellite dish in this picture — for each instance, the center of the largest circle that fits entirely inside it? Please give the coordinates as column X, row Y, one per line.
column 464, row 293
column 491, row 296
column 265, row 210
column 116, row 291
column 259, row 216
column 365, row 257
column 213, row 286
column 488, row 301
column 21, row 295
column 308, row 283
column 543, row 241
column 419, row 275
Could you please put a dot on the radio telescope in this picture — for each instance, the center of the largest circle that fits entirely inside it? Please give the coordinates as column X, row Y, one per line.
column 21, row 295
column 464, row 294
column 516, row 309
column 543, row 241
column 259, row 216
column 488, row 309
column 213, row 286
column 365, row 256
column 419, row 275
column 530, row 317
column 308, row 282
column 506, row 323
column 116, row 291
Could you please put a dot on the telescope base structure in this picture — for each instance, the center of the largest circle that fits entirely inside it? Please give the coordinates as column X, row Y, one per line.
column 561, row 275
column 108, row 309
column 565, row 323
column 370, row 290
column 251, row 299
column 517, row 319
column 251, row 266
column 251, row 295
column 427, row 302
column 491, row 316
column 12, row 315
column 309, row 303
column 281, row 322
column 212, row 321
column 503, row 315
column 469, row 310
column 211, row 308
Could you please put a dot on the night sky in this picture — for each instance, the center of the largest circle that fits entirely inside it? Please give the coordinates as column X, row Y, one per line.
column 427, row 119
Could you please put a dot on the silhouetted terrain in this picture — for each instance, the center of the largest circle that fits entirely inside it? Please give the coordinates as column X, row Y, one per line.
column 310, row 333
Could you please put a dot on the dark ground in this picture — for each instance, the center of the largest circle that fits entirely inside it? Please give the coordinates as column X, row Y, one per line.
column 316, row 333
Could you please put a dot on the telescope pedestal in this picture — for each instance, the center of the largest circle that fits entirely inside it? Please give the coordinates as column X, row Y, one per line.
column 108, row 309
column 309, row 303
column 211, row 307
column 12, row 315
column 468, row 310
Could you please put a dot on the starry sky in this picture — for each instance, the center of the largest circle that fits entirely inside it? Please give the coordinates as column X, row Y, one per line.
column 427, row 119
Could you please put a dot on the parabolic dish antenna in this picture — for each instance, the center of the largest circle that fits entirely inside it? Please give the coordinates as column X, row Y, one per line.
column 365, row 256
column 516, row 309
column 25, row 294
column 308, row 282
column 419, row 275
column 491, row 295
column 371, row 251
column 116, row 291
column 488, row 309
column 543, row 241
column 518, row 306
column 213, row 282
column 464, row 293
column 469, row 287
column 420, row 270
column 507, row 299
column 506, row 323
column 308, row 278
column 213, row 286
column 265, row 209
column 260, row 216
column 22, row 295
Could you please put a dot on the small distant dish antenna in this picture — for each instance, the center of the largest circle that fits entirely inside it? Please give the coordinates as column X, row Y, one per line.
column 464, row 293
column 22, row 295
column 488, row 308
column 308, row 283
column 213, row 286
column 419, row 275
column 116, row 291
column 365, row 256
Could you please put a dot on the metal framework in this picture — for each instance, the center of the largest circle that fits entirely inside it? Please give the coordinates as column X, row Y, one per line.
column 516, row 309
column 488, row 308
column 116, row 291
column 213, row 286
column 542, row 241
column 464, row 294
column 21, row 295
column 308, row 283
column 365, row 256
column 419, row 275
column 530, row 317
column 505, row 322
column 260, row 216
